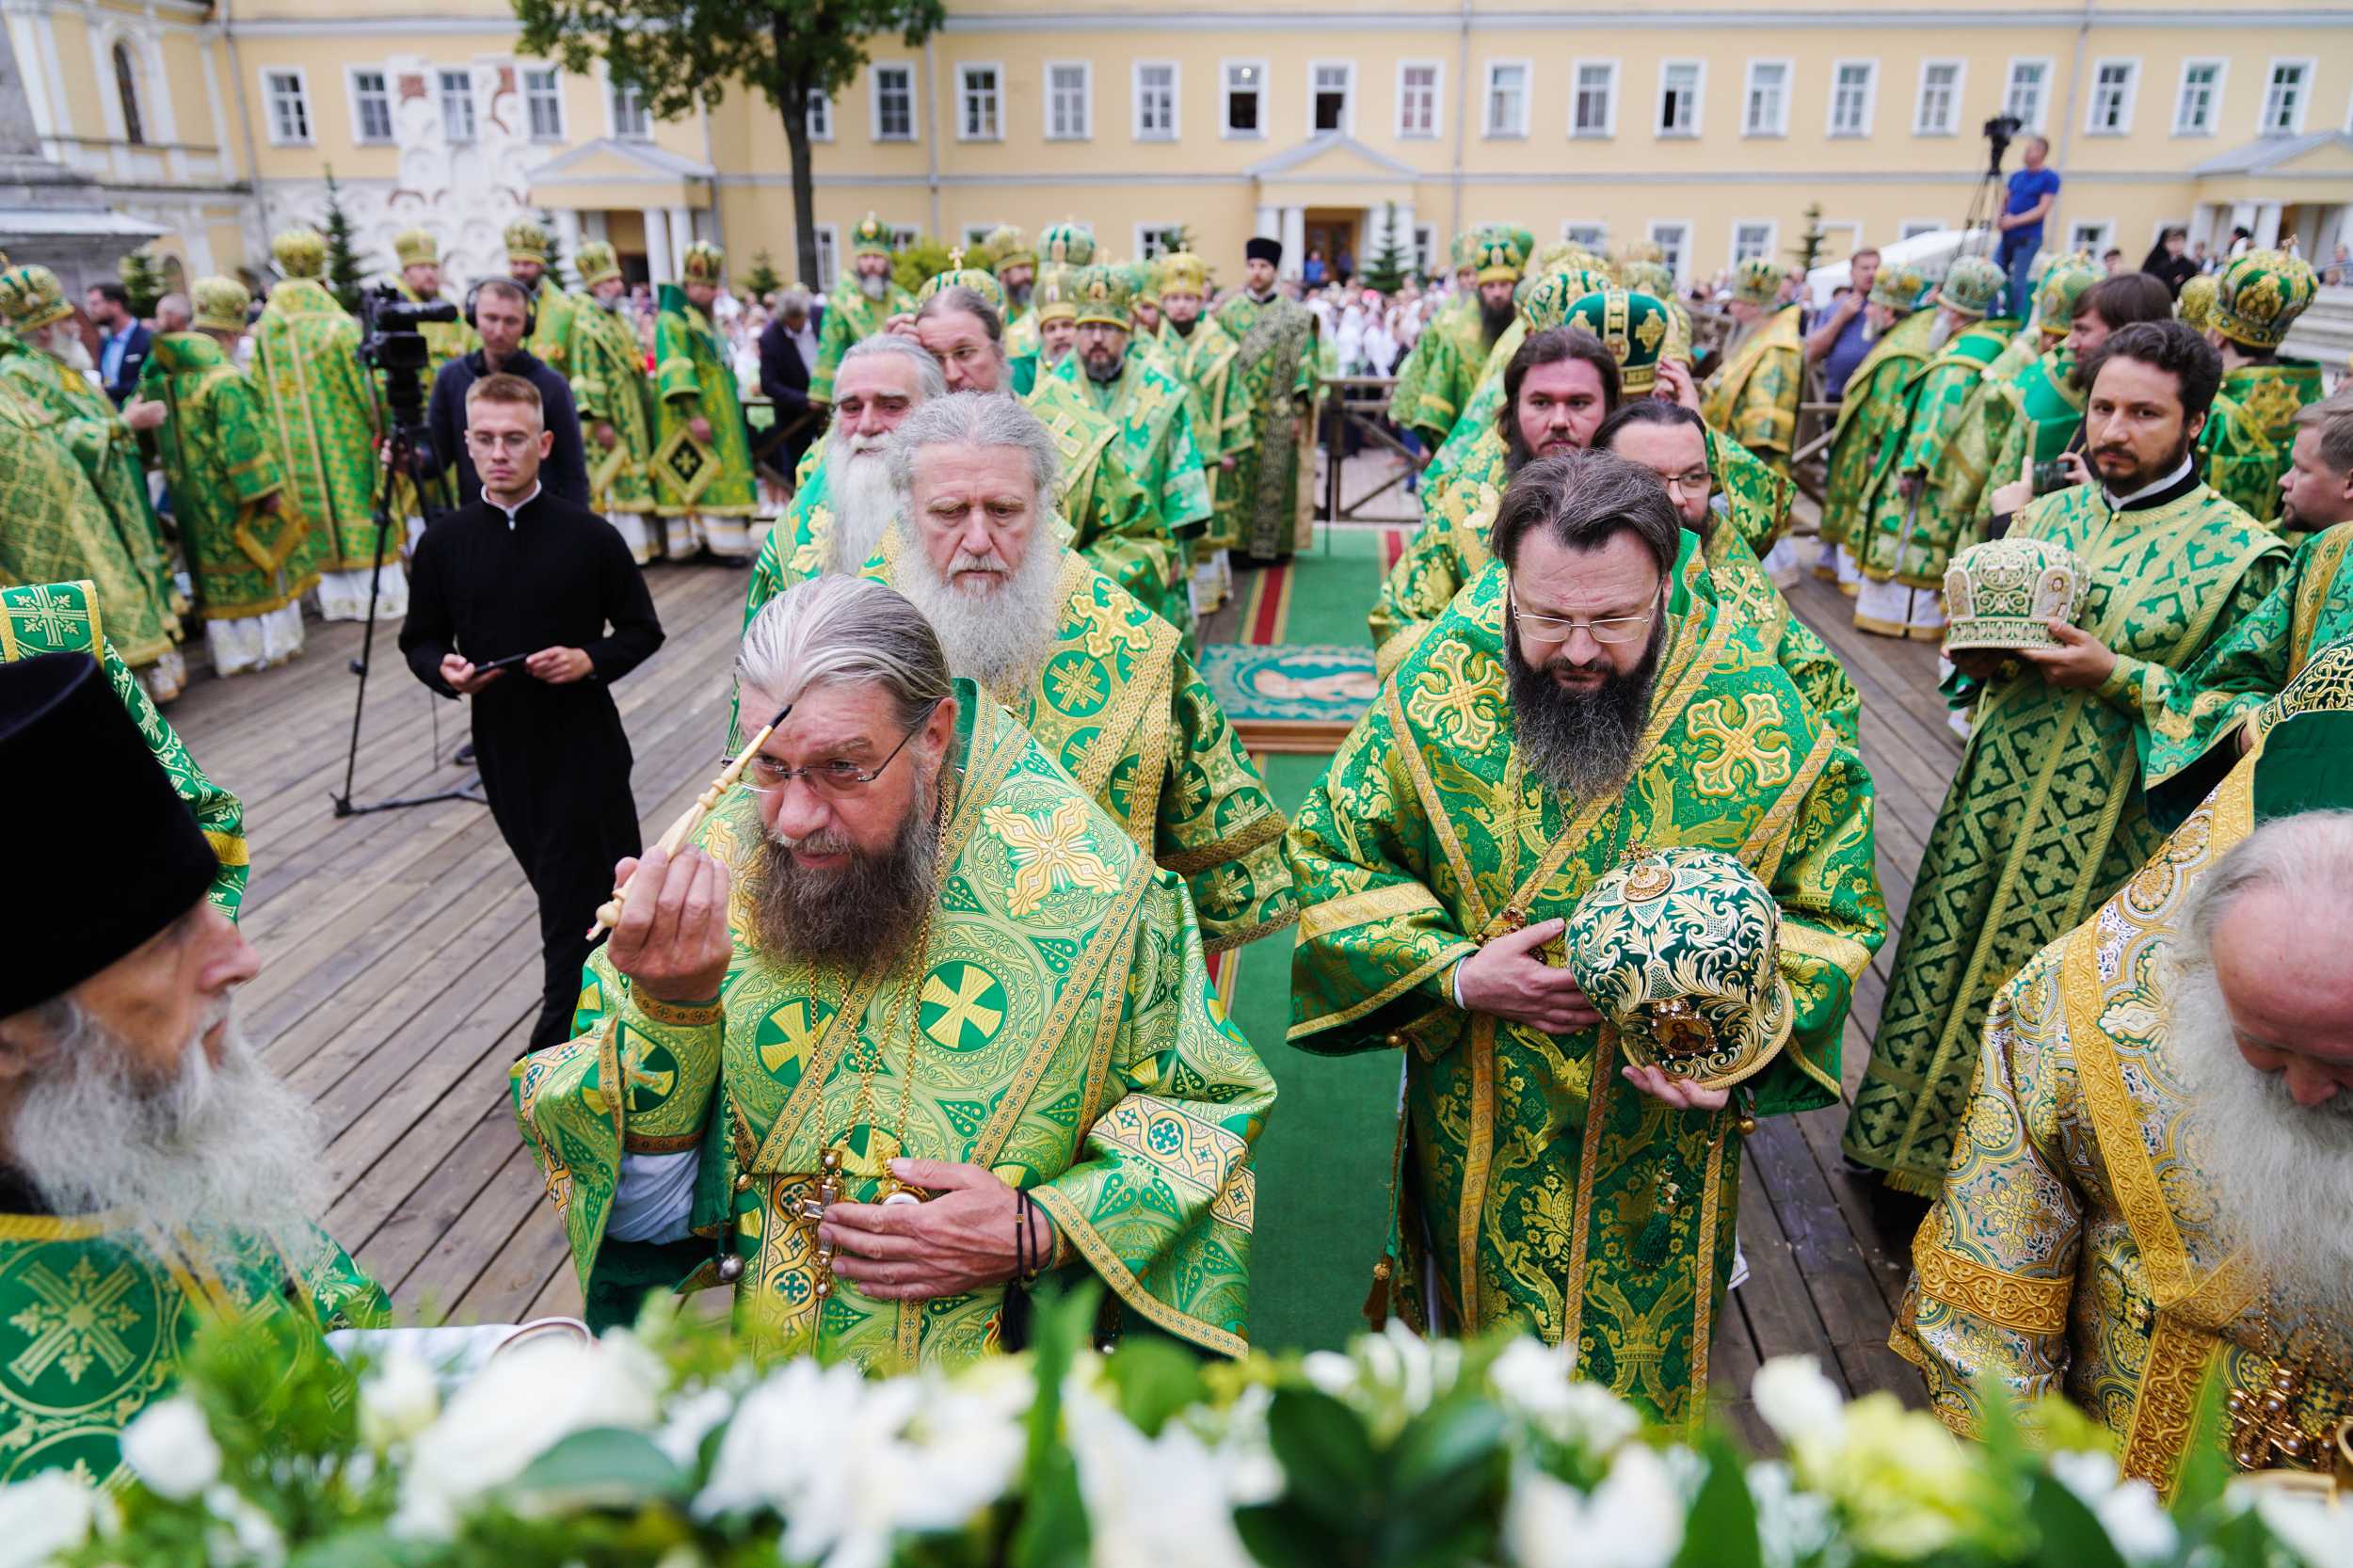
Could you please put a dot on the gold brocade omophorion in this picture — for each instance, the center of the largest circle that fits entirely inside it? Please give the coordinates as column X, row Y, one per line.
column 1541, row 1189
column 2047, row 815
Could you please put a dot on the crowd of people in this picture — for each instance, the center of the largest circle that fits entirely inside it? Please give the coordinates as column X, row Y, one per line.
column 916, row 1007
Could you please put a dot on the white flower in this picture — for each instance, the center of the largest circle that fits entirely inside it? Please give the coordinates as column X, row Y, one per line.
column 1245, row 1452
column 1330, row 1372
column 1792, row 1526
column 690, row 1421
column 1633, row 1519
column 2136, row 1521
column 1797, row 1401
column 1164, row 1502
column 399, row 1399
column 1538, row 1384
column 42, row 1517
column 172, row 1449
column 521, row 1404
column 2314, row 1531
column 247, row 1538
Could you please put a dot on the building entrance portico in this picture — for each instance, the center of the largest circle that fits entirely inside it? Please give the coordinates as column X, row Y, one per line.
column 1332, row 193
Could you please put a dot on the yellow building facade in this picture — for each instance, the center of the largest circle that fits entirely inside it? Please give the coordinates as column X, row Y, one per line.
column 1709, row 131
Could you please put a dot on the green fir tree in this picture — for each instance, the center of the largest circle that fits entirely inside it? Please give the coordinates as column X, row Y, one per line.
column 559, row 264
column 346, row 277
column 1387, row 270
column 143, row 280
column 762, row 280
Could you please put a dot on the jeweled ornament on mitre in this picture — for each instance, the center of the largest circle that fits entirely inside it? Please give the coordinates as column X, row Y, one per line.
column 1679, row 949
column 2001, row 593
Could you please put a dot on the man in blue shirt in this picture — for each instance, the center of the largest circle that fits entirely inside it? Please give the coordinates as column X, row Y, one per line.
column 2032, row 190
column 1842, row 334
column 122, row 342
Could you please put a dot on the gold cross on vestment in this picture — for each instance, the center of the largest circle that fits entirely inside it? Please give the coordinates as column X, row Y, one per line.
column 2265, row 1432
column 813, row 1209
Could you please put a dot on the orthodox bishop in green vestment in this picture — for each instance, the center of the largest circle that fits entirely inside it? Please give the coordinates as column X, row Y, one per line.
column 1276, row 363
column 861, row 304
column 420, row 256
column 77, row 488
column 1454, row 347
column 608, row 374
column 1753, row 397
column 321, row 406
column 1537, row 1186
column 1013, row 262
column 2257, row 299
column 1872, row 406
column 702, row 453
column 1207, row 358
column 550, row 340
column 251, row 556
column 986, row 995
column 2049, row 812
column 2024, row 404
column 131, row 1208
column 1405, row 397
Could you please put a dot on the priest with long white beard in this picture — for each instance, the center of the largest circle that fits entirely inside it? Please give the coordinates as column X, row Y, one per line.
column 152, row 1171
column 2152, row 1195
column 1099, row 679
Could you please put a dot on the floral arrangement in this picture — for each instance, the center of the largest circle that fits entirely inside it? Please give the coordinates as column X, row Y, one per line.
column 658, row 1448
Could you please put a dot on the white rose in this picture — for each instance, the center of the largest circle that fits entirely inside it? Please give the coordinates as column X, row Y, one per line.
column 42, row 1517
column 398, row 1400
column 1633, row 1519
column 1797, row 1401
column 1537, row 1383
column 1151, row 1502
column 2314, row 1531
column 172, row 1450
column 2129, row 1512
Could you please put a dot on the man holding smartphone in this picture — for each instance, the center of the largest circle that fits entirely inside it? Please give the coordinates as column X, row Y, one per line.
column 511, row 599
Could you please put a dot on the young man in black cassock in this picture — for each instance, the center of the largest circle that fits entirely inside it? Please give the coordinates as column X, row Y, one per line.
column 520, row 571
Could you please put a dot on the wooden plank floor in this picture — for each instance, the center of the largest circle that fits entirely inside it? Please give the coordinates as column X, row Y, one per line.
column 401, row 974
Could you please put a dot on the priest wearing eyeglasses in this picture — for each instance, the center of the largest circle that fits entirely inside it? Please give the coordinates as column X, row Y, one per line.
column 533, row 606
column 1576, row 709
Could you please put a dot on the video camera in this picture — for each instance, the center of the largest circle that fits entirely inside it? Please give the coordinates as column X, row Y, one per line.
column 1998, row 134
column 393, row 343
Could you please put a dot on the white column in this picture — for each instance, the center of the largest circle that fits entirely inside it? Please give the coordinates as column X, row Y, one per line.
column 1269, row 225
column 659, row 266
column 593, row 226
column 2267, row 224
column 681, row 234
column 1377, row 220
column 1294, row 240
column 567, row 238
column 2242, row 217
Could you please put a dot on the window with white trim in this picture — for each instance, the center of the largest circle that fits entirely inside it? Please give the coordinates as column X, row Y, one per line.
column 1593, row 236
column 458, row 106
column 1913, row 226
column 2028, row 92
column 543, row 102
column 2285, row 97
column 1679, row 98
column 1069, row 101
column 1674, row 244
column 1417, row 100
column 1766, row 104
column 1938, row 113
column 894, row 103
column 1751, row 241
column 1425, row 245
column 371, row 106
column 829, row 256
column 2094, row 234
column 979, row 101
column 631, row 123
column 1332, row 88
column 289, row 99
column 820, row 116
column 2201, row 98
column 1507, row 98
column 1593, row 104
column 1155, row 240
column 2113, row 85
column 1853, row 85
column 1245, row 98
column 1155, row 101
column 904, row 237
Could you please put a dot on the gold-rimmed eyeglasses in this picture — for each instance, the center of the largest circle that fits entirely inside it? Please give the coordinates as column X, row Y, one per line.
column 765, row 774
column 1559, row 629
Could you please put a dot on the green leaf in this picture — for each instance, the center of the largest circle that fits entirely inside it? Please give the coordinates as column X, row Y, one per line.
column 1280, row 1535
column 1722, row 1532
column 1052, row 1530
column 605, row 1467
column 1155, row 1378
column 2071, row 1535
column 372, row 1548
column 1328, row 1457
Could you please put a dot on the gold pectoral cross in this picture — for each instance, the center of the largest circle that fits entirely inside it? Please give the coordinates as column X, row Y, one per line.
column 2265, row 1432
column 812, row 1210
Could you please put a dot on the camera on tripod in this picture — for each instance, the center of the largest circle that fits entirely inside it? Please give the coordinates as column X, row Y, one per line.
column 393, row 343
column 1999, row 131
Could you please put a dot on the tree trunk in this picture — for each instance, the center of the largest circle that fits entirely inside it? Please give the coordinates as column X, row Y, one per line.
column 793, row 106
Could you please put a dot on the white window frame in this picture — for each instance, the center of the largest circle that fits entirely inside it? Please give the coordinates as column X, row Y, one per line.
column 1175, row 101
column 821, row 116
column 1086, row 100
column 1593, row 236
column 1422, row 242
column 829, row 256
column 1699, row 101
column 441, row 75
column 1609, row 103
column 1779, row 126
column 1772, row 238
column 525, row 69
column 2106, row 229
column 1487, row 131
column 904, row 236
column 2131, row 102
column 1348, row 104
column 2040, row 121
column 2303, row 95
column 358, row 124
column 1920, row 126
column 1225, row 70
column 1908, row 227
column 976, row 234
column 997, row 100
column 1437, row 100
column 1680, row 267
column 1154, row 231
column 2214, row 95
column 309, row 135
column 614, row 93
column 1870, row 100
column 874, row 101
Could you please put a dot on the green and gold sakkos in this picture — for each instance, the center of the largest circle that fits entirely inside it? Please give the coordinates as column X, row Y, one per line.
column 2034, row 413
column 1276, row 338
column 1912, row 541
column 1872, row 413
column 1061, row 1030
column 1209, row 363
column 2248, row 435
column 2048, row 814
column 851, row 318
column 608, row 377
column 1549, row 1192
column 320, row 404
column 694, row 378
column 1754, row 397
column 1115, row 514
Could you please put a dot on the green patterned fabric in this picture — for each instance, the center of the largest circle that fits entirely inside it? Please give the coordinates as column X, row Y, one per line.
column 221, row 461
column 851, row 318
column 1060, row 1028
column 1154, row 446
column 320, row 403
column 1870, row 425
column 608, row 375
column 1447, row 361
column 551, row 339
column 98, row 1310
column 2047, row 815
column 1545, row 1190
column 68, row 617
column 2034, row 411
column 2249, row 433
column 1754, row 398
column 1276, row 366
column 1911, row 541
column 1209, row 363
column 694, row 378
column 59, row 523
column 1115, row 516
column 2310, row 608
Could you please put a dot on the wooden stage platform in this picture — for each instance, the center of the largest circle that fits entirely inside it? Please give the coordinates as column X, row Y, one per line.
column 401, row 974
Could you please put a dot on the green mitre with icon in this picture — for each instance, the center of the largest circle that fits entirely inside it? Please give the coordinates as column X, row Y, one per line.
column 1971, row 285
column 1546, row 301
column 959, row 276
column 1633, row 326
column 1679, row 949
column 1899, row 288
column 1104, row 297
column 2258, row 297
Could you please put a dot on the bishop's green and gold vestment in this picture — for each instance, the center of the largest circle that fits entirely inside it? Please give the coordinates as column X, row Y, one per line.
column 1114, row 507
column 2048, row 814
column 1207, row 361
column 1447, row 358
column 608, row 375
column 851, row 318
column 1060, row 1030
column 2035, row 413
column 1754, row 398
column 1912, row 542
column 705, row 493
column 321, row 408
column 551, row 339
column 1541, row 1189
column 67, row 617
column 2074, row 1248
column 1870, row 425
column 2251, row 430
column 1276, row 366
column 1965, row 474
column 96, row 1311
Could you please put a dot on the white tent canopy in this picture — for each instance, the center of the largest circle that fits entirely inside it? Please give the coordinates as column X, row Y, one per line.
column 1932, row 253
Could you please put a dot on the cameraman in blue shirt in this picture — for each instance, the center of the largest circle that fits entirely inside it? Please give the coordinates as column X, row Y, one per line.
column 2032, row 190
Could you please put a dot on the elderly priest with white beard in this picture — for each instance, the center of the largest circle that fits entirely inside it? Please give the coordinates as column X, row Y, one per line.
column 152, row 1172
column 908, row 1023
column 2150, row 1206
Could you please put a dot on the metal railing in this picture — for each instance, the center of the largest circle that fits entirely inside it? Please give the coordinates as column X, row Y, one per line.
column 1358, row 404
